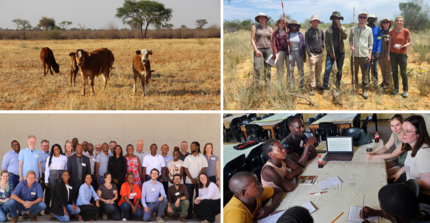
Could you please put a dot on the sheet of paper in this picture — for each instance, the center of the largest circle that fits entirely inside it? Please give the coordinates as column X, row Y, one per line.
column 329, row 182
column 271, row 218
column 308, row 205
column 354, row 216
column 271, row 61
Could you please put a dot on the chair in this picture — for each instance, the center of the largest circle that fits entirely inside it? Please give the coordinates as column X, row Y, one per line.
column 327, row 129
column 236, row 165
column 256, row 130
column 228, row 115
column 255, row 118
column 257, row 172
column 356, row 121
column 253, row 160
column 270, row 114
column 252, row 137
column 246, row 121
column 235, row 129
column 243, row 118
column 310, row 121
column 351, row 131
column 251, row 115
column 283, row 130
column 317, row 116
column 264, row 116
column 323, row 114
column 365, row 122
column 374, row 118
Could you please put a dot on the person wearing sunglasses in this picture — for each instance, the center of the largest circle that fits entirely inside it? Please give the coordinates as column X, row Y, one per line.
column 362, row 47
column 384, row 63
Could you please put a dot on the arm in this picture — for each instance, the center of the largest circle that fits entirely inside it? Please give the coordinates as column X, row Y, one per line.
column 124, row 171
column 139, row 169
column 296, row 169
column 409, row 38
column 424, row 182
column 379, row 41
column 308, row 49
column 16, row 198
column 271, row 175
column 188, row 173
column 392, row 155
column 143, row 197
column 253, row 31
column 40, row 170
column 217, row 173
column 276, row 200
column 273, row 43
column 47, row 170
column 202, row 170
column 94, row 194
column 82, row 197
column 398, row 174
column 5, row 162
column 96, row 172
column 99, row 194
column 163, row 170
column 386, row 146
column 21, row 178
column 211, row 192
column 322, row 40
column 370, row 46
column 343, row 34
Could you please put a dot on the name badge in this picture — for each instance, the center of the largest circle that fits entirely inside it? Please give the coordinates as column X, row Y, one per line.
column 37, row 156
column 133, row 194
column 114, row 191
column 153, row 189
column 1, row 191
column 177, row 193
column 70, row 187
column 408, row 169
column 301, row 143
column 191, row 160
column 33, row 193
column 84, row 164
column 213, row 158
column 94, row 159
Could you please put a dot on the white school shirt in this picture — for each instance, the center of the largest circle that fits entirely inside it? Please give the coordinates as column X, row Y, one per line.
column 151, row 162
column 194, row 165
column 418, row 164
column 210, row 193
column 58, row 163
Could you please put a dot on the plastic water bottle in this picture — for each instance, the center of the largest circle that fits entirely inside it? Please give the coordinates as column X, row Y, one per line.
column 320, row 162
column 376, row 137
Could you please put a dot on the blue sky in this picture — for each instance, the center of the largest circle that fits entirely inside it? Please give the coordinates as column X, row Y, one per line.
column 301, row 10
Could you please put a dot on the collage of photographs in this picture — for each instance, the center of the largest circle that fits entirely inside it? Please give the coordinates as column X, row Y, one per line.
column 234, row 111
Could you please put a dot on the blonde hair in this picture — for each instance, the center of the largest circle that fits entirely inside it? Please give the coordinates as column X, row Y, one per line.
column 400, row 17
column 65, row 146
column 31, row 172
column 204, row 149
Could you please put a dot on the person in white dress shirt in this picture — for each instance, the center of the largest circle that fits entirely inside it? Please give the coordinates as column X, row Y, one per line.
column 151, row 161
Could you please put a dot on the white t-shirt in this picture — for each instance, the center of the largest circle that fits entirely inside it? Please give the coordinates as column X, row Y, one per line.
column 294, row 41
column 194, row 165
column 151, row 162
column 418, row 164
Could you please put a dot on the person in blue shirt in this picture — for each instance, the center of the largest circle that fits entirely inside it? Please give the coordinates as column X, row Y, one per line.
column 6, row 189
column 44, row 154
column 10, row 163
column 153, row 197
column 31, row 158
column 376, row 50
column 86, row 192
column 167, row 158
column 27, row 196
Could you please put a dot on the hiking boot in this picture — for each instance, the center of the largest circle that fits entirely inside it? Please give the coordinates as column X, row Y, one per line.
column 395, row 91
column 311, row 92
column 159, row 219
column 320, row 88
column 365, row 95
column 25, row 216
column 405, row 94
column 15, row 219
column 325, row 93
column 33, row 218
column 386, row 86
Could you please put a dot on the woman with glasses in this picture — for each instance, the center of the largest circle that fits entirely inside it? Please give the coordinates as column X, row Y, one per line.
column 416, row 141
column 399, row 41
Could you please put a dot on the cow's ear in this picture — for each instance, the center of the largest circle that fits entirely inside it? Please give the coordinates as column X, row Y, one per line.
column 72, row 54
column 150, row 52
column 137, row 51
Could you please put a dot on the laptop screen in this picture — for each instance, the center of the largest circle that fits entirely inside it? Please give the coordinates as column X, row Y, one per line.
column 339, row 144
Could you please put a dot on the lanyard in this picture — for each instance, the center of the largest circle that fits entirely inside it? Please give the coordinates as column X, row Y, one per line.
column 316, row 33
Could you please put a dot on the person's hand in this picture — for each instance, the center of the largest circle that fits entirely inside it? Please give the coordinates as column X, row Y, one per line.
column 7, row 199
column 218, row 183
column 338, row 23
column 91, row 204
column 133, row 209
column 160, row 198
column 369, row 156
column 258, row 53
column 351, row 48
column 196, row 201
column 395, row 176
column 66, row 213
column 177, row 202
column 115, row 181
column 369, row 58
column 322, row 49
column 74, row 207
column 27, row 204
column 161, row 180
column 21, row 179
column 47, row 185
column 97, row 204
column 367, row 212
column 194, row 181
column 147, row 209
column 388, row 57
column 311, row 60
column 274, row 56
column 169, row 209
column 376, row 56
column 333, row 57
column 311, row 141
column 261, row 213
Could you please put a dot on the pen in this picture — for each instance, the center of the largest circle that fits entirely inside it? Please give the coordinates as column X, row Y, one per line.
column 318, row 193
column 337, row 217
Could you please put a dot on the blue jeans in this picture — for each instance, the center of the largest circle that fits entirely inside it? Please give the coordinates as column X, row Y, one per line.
column 101, row 179
column 12, row 206
column 126, row 209
column 70, row 210
column 158, row 207
column 13, row 179
column 3, row 216
column 328, row 65
column 191, row 188
column 110, row 209
column 373, row 69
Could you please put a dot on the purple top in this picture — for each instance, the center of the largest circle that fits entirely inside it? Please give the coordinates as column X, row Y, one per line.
column 281, row 41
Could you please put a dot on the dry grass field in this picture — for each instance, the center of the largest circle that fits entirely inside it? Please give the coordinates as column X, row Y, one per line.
column 187, row 76
column 239, row 93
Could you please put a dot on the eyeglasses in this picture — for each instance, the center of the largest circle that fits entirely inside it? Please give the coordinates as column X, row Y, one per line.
column 385, row 22
column 362, row 17
column 407, row 132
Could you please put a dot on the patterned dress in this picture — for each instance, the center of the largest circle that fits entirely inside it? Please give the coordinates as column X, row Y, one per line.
column 132, row 166
column 7, row 192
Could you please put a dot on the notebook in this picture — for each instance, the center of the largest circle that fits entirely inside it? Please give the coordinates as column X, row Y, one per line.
column 354, row 216
column 329, row 182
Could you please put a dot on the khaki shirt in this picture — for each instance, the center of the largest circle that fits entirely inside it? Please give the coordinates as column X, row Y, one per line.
column 363, row 41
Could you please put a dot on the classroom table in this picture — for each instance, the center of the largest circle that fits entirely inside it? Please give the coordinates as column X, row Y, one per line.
column 269, row 123
column 359, row 177
column 342, row 121
column 229, row 153
column 227, row 120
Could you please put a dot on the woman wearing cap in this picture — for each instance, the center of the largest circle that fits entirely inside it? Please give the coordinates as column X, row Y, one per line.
column 260, row 40
column 400, row 39
column 280, row 47
column 385, row 65
column 297, row 51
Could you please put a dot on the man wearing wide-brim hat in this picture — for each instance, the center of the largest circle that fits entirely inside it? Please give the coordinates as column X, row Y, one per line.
column 314, row 39
column 385, row 65
column 362, row 48
column 297, row 46
column 376, row 48
column 261, row 35
column 334, row 37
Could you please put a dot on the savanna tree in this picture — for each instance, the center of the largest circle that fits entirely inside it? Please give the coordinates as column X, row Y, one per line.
column 200, row 23
column 22, row 24
column 47, row 23
column 64, row 24
column 416, row 14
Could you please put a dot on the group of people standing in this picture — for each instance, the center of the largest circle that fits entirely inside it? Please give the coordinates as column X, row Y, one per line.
column 372, row 45
column 87, row 182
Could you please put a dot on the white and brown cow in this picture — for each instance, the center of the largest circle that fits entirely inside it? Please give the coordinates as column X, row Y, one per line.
column 142, row 68
column 94, row 63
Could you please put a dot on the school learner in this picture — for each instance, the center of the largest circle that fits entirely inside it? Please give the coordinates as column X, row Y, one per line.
column 314, row 40
column 296, row 214
column 245, row 206
column 279, row 172
column 299, row 148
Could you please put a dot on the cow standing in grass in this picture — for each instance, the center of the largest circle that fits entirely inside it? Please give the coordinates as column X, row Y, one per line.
column 47, row 58
column 94, row 63
column 73, row 68
column 142, row 68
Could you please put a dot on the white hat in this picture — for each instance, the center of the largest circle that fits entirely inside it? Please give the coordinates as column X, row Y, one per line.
column 314, row 17
column 261, row 14
column 362, row 13
column 372, row 16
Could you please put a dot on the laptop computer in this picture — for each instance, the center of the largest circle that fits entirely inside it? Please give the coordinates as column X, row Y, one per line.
column 339, row 148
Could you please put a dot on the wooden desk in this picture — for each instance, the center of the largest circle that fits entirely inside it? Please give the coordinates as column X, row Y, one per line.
column 342, row 121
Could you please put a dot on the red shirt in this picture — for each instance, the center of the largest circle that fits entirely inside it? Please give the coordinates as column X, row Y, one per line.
column 398, row 38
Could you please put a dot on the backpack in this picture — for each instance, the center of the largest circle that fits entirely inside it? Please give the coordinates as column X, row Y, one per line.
column 361, row 138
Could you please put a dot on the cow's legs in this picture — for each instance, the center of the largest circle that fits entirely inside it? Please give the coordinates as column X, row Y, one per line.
column 92, row 85
column 71, row 78
column 134, row 85
column 44, row 69
column 105, row 79
column 142, row 80
column 49, row 67
column 83, row 84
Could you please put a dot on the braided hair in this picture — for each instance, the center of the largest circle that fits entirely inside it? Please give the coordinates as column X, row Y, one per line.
column 296, row 214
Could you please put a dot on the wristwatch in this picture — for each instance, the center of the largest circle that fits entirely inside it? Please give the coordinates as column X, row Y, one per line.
column 217, row 178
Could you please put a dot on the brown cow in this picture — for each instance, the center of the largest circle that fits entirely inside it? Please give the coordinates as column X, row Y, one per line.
column 142, row 68
column 73, row 68
column 47, row 58
column 95, row 63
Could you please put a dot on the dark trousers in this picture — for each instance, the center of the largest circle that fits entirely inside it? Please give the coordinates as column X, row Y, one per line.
column 424, row 198
column 89, row 211
column 373, row 69
column 213, row 179
column 396, row 61
column 47, row 190
column 359, row 62
column 340, row 57
column 208, row 209
column 110, row 209
column 54, row 178
column 401, row 180
column 191, row 188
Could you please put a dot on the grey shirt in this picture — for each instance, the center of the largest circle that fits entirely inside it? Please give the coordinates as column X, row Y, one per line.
column 314, row 40
column 103, row 161
column 182, row 157
column 211, row 169
column 140, row 155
